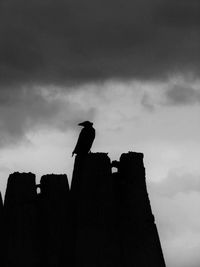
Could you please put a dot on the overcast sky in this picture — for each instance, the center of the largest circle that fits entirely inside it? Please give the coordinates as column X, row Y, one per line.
column 131, row 67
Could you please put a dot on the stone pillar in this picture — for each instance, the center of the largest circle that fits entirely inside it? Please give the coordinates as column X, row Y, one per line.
column 20, row 225
column 54, row 220
column 93, row 212
column 137, row 229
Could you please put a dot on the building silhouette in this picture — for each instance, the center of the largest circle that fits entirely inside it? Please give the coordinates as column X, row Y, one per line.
column 103, row 220
column 93, row 211
column 139, row 240
column 20, row 221
column 54, row 216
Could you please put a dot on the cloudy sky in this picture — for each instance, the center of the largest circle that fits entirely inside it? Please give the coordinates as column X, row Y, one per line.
column 131, row 67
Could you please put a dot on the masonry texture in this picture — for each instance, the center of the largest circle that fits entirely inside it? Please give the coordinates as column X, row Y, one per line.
column 104, row 220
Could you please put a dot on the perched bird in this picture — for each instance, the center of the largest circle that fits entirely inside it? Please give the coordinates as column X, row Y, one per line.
column 85, row 139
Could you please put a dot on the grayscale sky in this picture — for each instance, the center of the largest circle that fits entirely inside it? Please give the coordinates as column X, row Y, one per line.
column 131, row 67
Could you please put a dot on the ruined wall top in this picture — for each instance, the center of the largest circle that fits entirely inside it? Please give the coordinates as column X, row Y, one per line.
column 54, row 184
column 20, row 187
column 131, row 167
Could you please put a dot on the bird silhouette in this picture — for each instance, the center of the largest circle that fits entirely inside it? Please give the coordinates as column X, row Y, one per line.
column 85, row 139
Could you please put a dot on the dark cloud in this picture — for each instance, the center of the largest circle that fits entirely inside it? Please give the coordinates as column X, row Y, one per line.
column 35, row 109
column 180, row 14
column 76, row 41
column 182, row 95
column 179, row 93
column 61, row 41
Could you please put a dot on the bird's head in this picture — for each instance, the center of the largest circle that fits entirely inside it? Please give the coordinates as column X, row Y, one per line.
column 86, row 124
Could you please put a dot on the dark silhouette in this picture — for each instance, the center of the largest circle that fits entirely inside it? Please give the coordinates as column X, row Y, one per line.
column 1, row 231
column 54, row 220
column 20, row 225
column 114, row 224
column 104, row 220
column 1, row 203
column 1, row 210
column 138, row 236
column 94, row 214
column 85, row 139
